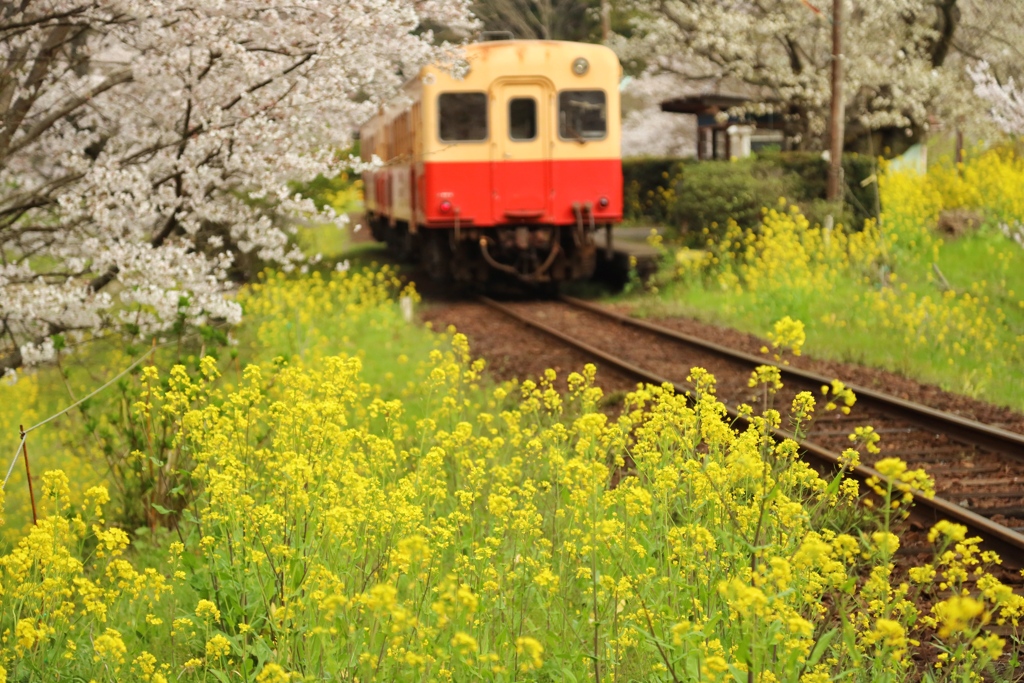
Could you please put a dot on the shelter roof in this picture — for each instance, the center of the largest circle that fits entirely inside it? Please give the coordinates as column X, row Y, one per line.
column 710, row 103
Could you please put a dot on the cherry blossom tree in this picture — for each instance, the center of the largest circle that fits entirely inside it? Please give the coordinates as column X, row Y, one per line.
column 778, row 52
column 143, row 144
column 648, row 131
column 540, row 19
column 1006, row 99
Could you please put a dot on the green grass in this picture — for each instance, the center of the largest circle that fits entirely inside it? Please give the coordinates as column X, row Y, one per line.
column 726, row 309
column 997, row 264
column 840, row 326
column 328, row 240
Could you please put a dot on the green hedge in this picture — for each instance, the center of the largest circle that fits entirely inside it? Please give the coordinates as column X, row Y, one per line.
column 645, row 182
column 686, row 195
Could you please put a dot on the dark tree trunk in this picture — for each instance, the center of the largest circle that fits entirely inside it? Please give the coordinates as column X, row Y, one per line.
column 946, row 22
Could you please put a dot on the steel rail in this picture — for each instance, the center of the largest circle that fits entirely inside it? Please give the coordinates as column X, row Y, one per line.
column 960, row 428
column 1006, row 541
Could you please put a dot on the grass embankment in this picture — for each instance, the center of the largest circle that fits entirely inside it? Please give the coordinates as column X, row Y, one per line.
column 894, row 295
column 357, row 505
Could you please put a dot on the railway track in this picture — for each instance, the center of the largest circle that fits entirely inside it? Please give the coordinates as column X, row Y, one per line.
column 978, row 468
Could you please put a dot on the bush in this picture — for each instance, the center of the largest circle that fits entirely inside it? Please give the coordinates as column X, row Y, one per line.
column 708, row 193
column 688, row 195
column 645, row 182
column 861, row 198
column 901, row 295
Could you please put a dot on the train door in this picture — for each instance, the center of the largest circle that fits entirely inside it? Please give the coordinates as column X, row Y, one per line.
column 520, row 150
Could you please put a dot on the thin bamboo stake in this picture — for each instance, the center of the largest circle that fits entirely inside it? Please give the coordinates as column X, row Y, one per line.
column 28, row 473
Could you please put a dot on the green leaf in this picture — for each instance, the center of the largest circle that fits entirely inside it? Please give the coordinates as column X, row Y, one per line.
column 161, row 509
column 850, row 636
column 565, row 674
column 821, row 646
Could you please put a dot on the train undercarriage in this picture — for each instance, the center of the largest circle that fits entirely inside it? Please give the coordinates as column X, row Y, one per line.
column 532, row 254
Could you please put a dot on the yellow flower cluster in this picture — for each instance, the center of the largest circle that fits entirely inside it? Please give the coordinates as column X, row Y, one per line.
column 990, row 181
column 788, row 335
column 440, row 531
column 877, row 292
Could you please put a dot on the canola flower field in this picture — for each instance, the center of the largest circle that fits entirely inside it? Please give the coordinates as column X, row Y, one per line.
column 894, row 293
column 344, row 497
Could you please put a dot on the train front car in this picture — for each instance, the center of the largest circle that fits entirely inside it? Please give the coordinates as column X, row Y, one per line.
column 512, row 171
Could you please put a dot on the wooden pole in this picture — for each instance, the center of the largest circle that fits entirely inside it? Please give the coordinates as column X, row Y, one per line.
column 606, row 19
column 28, row 473
column 835, row 171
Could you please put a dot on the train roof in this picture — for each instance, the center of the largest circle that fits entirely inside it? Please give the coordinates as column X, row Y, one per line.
column 487, row 45
column 501, row 50
column 540, row 51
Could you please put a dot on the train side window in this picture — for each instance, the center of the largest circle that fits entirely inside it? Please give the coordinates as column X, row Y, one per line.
column 522, row 118
column 582, row 115
column 463, row 116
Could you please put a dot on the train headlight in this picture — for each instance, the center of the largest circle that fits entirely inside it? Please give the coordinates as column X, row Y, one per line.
column 603, row 202
column 580, row 66
column 445, row 206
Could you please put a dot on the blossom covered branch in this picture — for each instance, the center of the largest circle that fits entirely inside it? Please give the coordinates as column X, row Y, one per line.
column 903, row 59
column 1006, row 99
column 142, row 144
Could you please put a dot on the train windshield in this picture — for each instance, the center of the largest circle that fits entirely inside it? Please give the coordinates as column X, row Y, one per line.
column 463, row 116
column 582, row 115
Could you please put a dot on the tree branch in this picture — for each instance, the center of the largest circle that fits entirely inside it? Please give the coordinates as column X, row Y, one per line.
column 69, row 106
column 40, row 67
column 268, row 81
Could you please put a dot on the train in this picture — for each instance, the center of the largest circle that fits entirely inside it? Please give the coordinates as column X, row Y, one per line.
column 511, row 169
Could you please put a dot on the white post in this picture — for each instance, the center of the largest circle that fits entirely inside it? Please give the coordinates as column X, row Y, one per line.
column 739, row 140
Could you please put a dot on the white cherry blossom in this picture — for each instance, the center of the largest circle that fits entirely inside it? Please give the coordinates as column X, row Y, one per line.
column 904, row 60
column 139, row 140
column 1006, row 99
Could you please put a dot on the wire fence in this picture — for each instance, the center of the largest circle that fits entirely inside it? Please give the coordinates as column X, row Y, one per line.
column 22, row 449
column 25, row 432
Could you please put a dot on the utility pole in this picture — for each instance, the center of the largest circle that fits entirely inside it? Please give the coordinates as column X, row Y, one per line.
column 835, row 171
column 606, row 19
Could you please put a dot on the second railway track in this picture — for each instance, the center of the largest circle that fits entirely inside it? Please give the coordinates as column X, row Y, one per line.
column 978, row 469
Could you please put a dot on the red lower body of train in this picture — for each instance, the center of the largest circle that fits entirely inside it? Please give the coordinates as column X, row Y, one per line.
column 535, row 221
